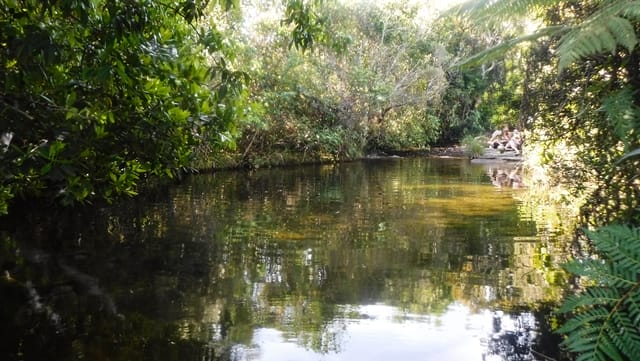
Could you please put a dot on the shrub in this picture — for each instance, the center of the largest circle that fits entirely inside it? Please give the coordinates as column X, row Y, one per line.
column 474, row 146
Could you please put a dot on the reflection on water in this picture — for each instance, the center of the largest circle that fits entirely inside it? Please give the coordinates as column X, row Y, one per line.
column 506, row 175
column 386, row 333
column 408, row 259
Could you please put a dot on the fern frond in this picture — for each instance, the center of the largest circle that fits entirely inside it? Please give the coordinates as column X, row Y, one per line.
column 500, row 49
column 631, row 10
column 603, row 34
column 605, row 322
column 621, row 112
column 623, row 31
column 602, row 272
column 619, row 243
column 491, row 9
column 575, row 325
column 602, row 296
column 623, row 336
column 584, row 344
column 605, row 30
column 594, row 342
column 608, row 348
column 634, row 310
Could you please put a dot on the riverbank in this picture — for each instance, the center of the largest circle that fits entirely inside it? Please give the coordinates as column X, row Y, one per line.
column 289, row 159
column 489, row 155
column 227, row 161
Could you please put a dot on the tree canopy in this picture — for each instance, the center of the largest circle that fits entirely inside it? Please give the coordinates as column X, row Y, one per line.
column 97, row 96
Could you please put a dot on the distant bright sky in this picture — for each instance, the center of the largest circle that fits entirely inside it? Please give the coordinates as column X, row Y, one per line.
column 429, row 8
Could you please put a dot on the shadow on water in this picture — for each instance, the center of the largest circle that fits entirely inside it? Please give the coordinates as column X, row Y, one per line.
column 397, row 258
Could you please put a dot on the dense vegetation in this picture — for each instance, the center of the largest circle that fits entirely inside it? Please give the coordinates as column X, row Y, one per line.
column 98, row 95
column 581, row 101
column 101, row 98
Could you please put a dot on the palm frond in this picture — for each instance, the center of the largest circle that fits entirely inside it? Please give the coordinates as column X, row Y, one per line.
column 605, row 316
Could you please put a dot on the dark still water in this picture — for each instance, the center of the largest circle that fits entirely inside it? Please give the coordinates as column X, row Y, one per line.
column 396, row 259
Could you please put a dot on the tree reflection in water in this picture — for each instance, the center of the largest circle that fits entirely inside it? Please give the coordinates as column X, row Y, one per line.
column 301, row 260
column 512, row 337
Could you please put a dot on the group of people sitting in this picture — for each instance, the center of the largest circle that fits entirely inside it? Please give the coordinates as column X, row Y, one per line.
column 506, row 140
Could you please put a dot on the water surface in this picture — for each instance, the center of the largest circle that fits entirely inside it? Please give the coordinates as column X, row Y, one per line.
column 403, row 259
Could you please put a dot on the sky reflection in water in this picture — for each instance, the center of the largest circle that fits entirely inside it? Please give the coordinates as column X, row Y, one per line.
column 386, row 333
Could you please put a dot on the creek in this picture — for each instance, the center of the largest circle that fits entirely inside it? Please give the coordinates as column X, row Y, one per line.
column 386, row 259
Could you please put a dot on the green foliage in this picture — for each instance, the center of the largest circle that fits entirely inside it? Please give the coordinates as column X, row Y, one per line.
column 101, row 96
column 491, row 10
column 606, row 29
column 308, row 24
column 606, row 315
column 414, row 131
column 377, row 74
column 589, row 111
column 371, row 97
column 499, row 51
column 460, row 111
column 474, row 146
column 622, row 114
column 591, row 123
column 474, row 95
column 497, row 14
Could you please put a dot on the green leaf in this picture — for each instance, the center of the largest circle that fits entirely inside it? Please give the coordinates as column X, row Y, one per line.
column 604, row 318
column 55, row 149
column 46, row 169
column 179, row 115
